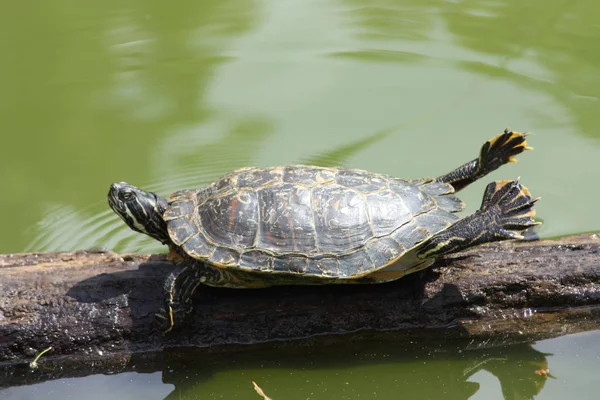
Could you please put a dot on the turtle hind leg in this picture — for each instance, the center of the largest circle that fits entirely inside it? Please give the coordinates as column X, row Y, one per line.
column 505, row 213
column 497, row 151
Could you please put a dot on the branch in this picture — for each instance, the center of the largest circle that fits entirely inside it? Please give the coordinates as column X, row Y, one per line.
column 102, row 304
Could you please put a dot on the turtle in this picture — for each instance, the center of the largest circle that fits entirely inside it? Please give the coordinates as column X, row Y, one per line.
column 310, row 225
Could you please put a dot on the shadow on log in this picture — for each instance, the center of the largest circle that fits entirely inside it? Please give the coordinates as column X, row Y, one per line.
column 101, row 305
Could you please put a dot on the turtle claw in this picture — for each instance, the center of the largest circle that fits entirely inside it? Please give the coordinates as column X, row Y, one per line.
column 164, row 320
column 501, row 149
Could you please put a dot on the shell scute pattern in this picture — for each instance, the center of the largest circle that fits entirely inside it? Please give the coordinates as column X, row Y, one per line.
column 224, row 257
column 387, row 211
column 286, row 219
column 181, row 230
column 356, row 263
column 198, row 247
column 308, row 176
column 341, row 219
column 257, row 260
column 434, row 188
column 230, row 219
column 179, row 210
column 416, row 201
column 225, row 183
column 420, row 228
column 362, row 181
column 325, row 266
column 255, row 178
column 294, row 264
column 181, row 194
column 443, row 194
column 384, row 250
column 450, row 203
column 436, row 220
column 308, row 220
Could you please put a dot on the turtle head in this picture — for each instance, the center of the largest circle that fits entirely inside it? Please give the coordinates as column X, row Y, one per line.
column 142, row 211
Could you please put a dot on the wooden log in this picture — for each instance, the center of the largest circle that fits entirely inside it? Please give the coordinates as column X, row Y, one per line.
column 99, row 304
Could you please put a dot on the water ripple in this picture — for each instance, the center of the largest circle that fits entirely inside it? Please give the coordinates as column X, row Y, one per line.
column 66, row 228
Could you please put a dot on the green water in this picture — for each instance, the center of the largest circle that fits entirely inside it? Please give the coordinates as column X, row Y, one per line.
column 172, row 95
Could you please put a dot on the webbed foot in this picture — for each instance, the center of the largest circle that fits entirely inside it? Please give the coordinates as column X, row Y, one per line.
column 506, row 213
column 501, row 149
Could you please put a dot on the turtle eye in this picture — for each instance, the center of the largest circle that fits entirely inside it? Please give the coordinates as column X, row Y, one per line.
column 126, row 195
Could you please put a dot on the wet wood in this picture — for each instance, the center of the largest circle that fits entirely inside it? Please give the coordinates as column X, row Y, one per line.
column 102, row 304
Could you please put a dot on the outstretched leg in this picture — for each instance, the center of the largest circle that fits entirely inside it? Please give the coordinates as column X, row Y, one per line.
column 495, row 152
column 505, row 213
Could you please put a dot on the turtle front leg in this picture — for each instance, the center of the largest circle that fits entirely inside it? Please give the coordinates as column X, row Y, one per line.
column 494, row 153
column 180, row 286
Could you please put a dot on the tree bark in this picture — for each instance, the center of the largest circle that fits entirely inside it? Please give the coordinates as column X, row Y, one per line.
column 99, row 304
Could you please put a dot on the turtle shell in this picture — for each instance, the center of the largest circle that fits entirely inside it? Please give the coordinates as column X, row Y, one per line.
column 322, row 222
